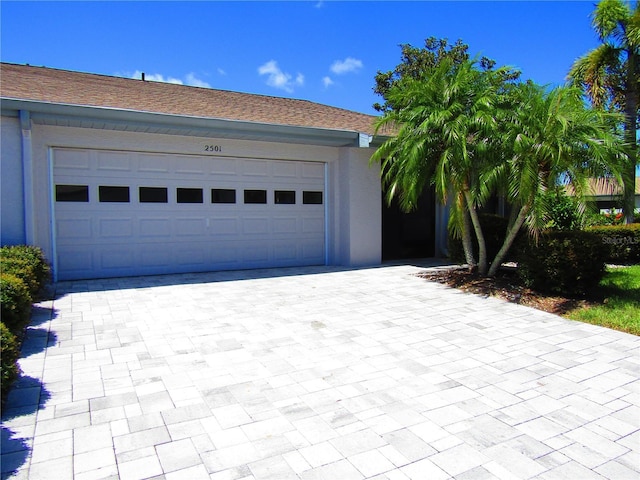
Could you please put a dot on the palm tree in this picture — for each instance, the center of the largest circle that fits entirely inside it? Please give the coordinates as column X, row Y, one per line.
column 610, row 77
column 471, row 135
column 445, row 124
column 549, row 140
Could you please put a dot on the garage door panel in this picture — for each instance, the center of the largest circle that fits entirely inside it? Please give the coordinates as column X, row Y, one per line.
column 223, row 226
column 74, row 229
column 225, row 253
column 154, row 228
column 313, row 251
column 153, row 233
column 72, row 162
column 190, row 165
column 76, row 259
column 255, row 226
column 155, row 256
column 313, row 170
column 194, row 256
column 149, row 163
column 285, row 225
column 313, row 225
column 116, row 258
column 256, row 168
column 285, row 169
column 113, row 162
column 114, row 228
column 190, row 227
column 257, row 253
column 285, row 251
column 224, row 167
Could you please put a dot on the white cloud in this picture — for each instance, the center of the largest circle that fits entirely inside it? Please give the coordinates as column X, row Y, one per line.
column 192, row 80
column 279, row 79
column 348, row 65
column 327, row 82
column 189, row 79
column 156, row 77
column 221, row 72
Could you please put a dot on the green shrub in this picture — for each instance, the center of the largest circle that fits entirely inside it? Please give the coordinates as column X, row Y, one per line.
column 15, row 303
column 22, row 269
column 9, row 354
column 622, row 242
column 570, row 263
column 564, row 211
column 494, row 228
column 29, row 264
column 601, row 219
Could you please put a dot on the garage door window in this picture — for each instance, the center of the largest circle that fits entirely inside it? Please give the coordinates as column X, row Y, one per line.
column 113, row 194
column 189, row 195
column 223, row 195
column 284, row 197
column 312, row 198
column 255, row 196
column 153, row 194
column 72, row 193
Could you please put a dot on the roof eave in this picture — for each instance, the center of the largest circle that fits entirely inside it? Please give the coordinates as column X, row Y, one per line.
column 88, row 116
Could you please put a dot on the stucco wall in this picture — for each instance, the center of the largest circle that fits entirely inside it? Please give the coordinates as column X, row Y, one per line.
column 360, row 208
column 352, row 188
column 12, row 228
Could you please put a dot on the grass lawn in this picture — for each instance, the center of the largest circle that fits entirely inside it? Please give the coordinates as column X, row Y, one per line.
column 620, row 308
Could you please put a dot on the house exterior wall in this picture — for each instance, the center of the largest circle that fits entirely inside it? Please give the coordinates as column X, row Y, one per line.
column 352, row 189
column 360, row 192
column 12, row 227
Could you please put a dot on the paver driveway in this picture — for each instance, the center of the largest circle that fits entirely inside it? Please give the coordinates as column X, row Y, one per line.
column 316, row 373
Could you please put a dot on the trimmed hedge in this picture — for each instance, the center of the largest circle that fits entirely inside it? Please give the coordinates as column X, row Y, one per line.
column 622, row 242
column 15, row 303
column 563, row 262
column 24, row 272
column 9, row 354
column 27, row 263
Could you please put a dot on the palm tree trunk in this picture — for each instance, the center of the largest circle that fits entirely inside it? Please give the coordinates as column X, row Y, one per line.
column 630, row 115
column 482, row 247
column 512, row 233
column 467, row 241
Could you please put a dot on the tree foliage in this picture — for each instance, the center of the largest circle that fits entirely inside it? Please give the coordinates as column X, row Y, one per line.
column 417, row 63
column 473, row 131
column 610, row 77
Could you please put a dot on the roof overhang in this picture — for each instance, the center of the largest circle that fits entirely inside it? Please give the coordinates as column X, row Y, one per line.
column 105, row 118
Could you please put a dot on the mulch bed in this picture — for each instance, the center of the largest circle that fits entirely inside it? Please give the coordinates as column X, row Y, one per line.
column 507, row 286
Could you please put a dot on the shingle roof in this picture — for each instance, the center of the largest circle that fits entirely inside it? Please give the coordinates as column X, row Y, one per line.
column 600, row 187
column 42, row 84
column 603, row 188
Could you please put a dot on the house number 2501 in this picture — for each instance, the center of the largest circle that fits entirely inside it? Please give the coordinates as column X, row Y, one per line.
column 213, row 148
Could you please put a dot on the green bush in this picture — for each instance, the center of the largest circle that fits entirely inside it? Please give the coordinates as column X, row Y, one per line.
column 9, row 354
column 15, row 303
column 564, row 211
column 600, row 219
column 23, row 270
column 570, row 263
column 622, row 242
column 494, row 228
column 29, row 264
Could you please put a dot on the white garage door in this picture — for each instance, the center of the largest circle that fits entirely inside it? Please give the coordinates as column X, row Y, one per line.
column 129, row 213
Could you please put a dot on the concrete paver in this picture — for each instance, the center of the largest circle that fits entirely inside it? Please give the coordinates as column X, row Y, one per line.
column 316, row 373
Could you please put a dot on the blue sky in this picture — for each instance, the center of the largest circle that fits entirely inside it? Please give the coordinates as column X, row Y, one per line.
column 324, row 51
